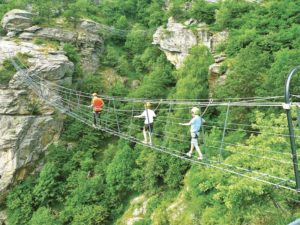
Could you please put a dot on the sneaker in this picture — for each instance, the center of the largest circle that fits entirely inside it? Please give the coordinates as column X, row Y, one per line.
column 200, row 158
column 188, row 155
column 94, row 126
column 145, row 142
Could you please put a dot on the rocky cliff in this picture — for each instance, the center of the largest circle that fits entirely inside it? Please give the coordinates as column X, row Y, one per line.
column 18, row 23
column 27, row 125
column 176, row 39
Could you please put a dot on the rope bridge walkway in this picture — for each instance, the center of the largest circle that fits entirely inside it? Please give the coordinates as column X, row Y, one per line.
column 271, row 165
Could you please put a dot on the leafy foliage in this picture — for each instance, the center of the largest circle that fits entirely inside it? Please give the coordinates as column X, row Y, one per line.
column 43, row 216
column 86, row 180
column 74, row 57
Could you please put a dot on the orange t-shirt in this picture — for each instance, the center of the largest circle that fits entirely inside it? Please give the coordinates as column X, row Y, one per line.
column 97, row 104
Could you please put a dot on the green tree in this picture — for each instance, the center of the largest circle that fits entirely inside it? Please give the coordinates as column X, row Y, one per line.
column 48, row 187
column 43, row 216
column 275, row 77
column 193, row 76
column 73, row 55
column 204, row 11
column 118, row 174
column 137, row 39
column 20, row 203
column 77, row 10
column 45, row 10
column 90, row 215
column 231, row 12
column 247, row 73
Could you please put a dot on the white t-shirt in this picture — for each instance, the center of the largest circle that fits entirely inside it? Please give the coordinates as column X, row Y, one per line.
column 150, row 113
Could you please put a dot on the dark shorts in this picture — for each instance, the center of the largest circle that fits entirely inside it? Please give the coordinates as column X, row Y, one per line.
column 148, row 127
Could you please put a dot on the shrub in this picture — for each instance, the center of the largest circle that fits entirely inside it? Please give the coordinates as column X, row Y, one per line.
column 7, row 70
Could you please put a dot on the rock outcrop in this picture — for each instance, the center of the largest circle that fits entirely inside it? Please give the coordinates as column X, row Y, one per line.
column 136, row 211
column 16, row 20
column 176, row 39
column 27, row 125
column 86, row 38
column 90, row 45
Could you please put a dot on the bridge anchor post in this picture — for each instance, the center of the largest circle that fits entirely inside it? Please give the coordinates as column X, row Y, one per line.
column 287, row 107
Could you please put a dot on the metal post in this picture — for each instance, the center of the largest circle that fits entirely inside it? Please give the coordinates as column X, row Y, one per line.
column 287, row 107
column 224, row 131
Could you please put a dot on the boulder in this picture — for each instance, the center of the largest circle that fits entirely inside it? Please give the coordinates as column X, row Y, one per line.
column 16, row 20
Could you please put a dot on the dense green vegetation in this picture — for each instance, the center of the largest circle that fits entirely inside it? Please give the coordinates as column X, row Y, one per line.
column 89, row 177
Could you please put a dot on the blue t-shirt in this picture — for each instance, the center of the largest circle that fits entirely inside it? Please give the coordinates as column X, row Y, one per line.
column 196, row 123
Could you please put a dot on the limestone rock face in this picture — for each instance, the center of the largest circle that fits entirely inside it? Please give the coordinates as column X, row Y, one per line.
column 176, row 39
column 18, row 23
column 90, row 44
column 137, row 210
column 57, row 34
column 16, row 20
column 24, row 133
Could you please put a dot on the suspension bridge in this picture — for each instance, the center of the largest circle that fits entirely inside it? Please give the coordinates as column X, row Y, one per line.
column 117, row 118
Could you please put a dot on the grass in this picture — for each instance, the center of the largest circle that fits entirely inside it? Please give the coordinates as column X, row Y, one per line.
column 7, row 71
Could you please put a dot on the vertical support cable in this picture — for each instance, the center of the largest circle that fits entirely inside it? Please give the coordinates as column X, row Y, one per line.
column 202, row 128
column 131, row 119
column 168, row 121
column 69, row 100
column 107, row 113
column 287, row 107
column 223, row 135
column 117, row 119
column 78, row 100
